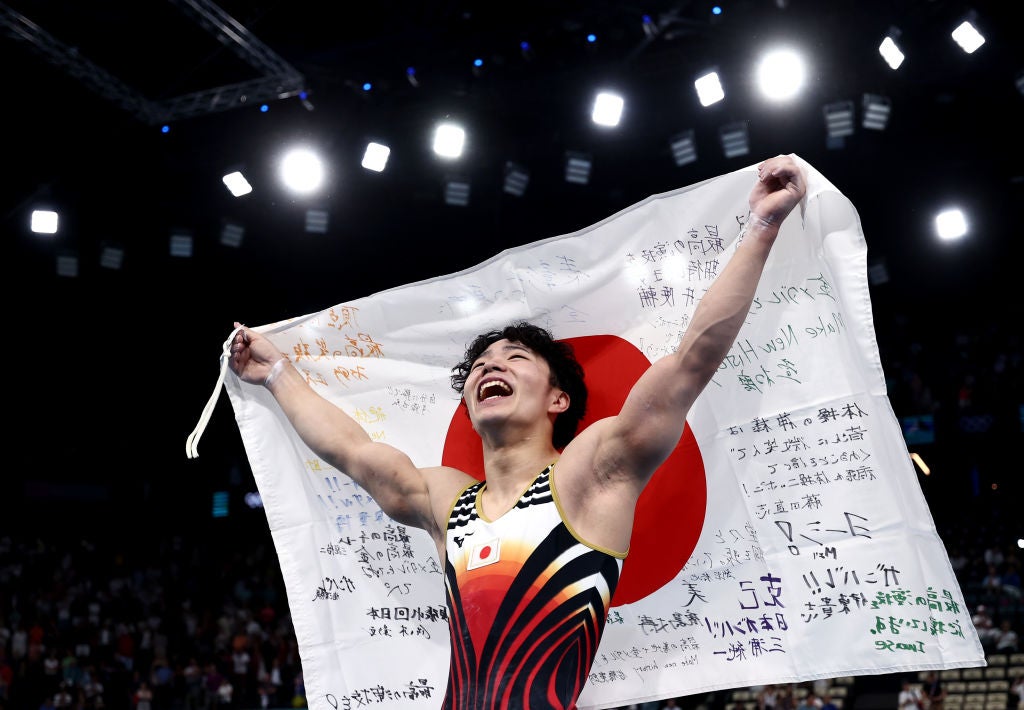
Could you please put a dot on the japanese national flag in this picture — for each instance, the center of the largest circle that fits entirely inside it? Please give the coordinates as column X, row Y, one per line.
column 789, row 515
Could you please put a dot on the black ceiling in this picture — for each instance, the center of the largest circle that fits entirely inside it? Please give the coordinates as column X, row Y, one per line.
column 115, row 367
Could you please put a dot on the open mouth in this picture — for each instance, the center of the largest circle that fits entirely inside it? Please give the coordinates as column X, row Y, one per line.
column 492, row 389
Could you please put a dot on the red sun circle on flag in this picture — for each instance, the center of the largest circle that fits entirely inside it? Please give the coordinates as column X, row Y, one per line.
column 670, row 512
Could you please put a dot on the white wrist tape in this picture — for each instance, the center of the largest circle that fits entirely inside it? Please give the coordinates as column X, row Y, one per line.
column 275, row 371
column 752, row 219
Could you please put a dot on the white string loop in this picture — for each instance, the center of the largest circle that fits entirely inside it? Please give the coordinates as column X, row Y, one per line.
column 192, row 444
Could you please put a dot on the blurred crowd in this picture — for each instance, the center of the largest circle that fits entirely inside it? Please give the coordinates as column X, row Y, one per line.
column 182, row 624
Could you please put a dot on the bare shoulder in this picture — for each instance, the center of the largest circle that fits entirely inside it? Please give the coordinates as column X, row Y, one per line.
column 444, row 484
column 442, row 478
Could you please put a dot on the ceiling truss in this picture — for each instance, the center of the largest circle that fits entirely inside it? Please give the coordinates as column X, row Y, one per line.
column 279, row 79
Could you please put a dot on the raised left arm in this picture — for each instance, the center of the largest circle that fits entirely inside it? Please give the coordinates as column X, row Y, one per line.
column 653, row 416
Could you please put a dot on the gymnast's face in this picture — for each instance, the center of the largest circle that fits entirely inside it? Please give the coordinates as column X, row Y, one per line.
column 509, row 384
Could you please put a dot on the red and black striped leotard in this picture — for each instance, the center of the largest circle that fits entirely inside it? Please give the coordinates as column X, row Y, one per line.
column 527, row 603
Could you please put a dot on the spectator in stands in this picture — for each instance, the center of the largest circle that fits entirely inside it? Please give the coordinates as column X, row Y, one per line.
column 6, row 676
column 1011, row 579
column 910, row 697
column 93, row 692
column 810, row 702
column 767, row 698
column 299, row 695
column 786, row 699
column 212, row 679
column 992, row 583
column 143, row 698
column 192, row 676
column 63, row 699
column 934, row 693
column 1008, row 642
column 225, row 693
column 827, row 702
column 987, row 633
column 1017, row 689
column 994, row 556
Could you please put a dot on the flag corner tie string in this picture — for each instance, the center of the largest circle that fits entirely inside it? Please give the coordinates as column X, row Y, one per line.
column 192, row 443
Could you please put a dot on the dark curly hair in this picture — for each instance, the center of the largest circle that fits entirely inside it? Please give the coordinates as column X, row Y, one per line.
column 566, row 372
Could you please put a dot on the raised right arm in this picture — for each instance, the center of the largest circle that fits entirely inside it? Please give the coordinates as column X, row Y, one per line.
column 387, row 474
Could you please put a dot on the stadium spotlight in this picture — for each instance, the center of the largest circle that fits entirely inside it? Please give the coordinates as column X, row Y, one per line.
column 950, row 224
column 516, row 179
column 376, row 157
column 44, row 221
column 301, row 170
column 456, row 192
column 735, row 139
column 236, row 183
column 968, row 36
column 231, row 235
column 67, row 264
column 838, row 122
column 607, row 109
column 890, row 51
column 876, row 112
column 316, row 221
column 709, row 89
column 577, row 168
column 684, row 148
column 181, row 244
column 111, row 257
column 780, row 74
column 449, row 140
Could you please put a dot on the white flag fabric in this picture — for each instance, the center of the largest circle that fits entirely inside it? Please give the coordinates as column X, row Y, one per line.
column 786, row 538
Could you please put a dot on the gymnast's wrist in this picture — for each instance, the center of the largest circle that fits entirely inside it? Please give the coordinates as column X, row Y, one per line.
column 755, row 223
column 275, row 372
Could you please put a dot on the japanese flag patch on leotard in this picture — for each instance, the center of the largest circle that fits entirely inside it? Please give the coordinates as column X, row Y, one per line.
column 484, row 553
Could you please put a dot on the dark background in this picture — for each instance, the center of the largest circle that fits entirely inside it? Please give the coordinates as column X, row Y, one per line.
column 110, row 370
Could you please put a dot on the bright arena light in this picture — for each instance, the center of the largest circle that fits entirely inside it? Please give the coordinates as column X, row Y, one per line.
column 781, row 74
column 301, row 170
column 968, row 37
column 607, row 109
column 891, row 53
column 950, row 224
column 709, row 89
column 449, row 140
